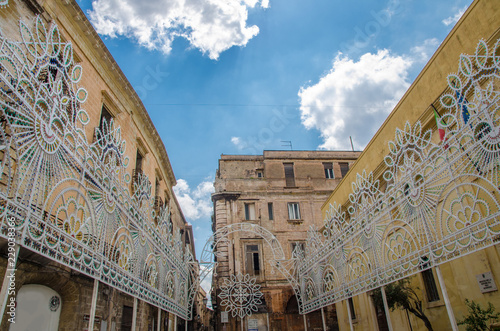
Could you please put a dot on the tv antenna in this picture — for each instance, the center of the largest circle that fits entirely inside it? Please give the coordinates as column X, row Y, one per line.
column 287, row 143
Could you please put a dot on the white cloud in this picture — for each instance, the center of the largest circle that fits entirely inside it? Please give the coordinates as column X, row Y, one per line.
column 354, row 98
column 454, row 18
column 423, row 52
column 206, row 283
column 197, row 203
column 238, row 142
column 209, row 25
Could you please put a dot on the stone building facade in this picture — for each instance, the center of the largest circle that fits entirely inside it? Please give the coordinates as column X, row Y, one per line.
column 203, row 319
column 88, row 216
column 280, row 193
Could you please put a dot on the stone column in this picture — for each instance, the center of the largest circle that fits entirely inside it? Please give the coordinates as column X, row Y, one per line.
column 349, row 315
column 93, row 306
column 447, row 303
column 134, row 315
column 386, row 308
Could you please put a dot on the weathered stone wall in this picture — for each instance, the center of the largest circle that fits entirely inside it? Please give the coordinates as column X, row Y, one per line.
column 106, row 86
column 238, row 183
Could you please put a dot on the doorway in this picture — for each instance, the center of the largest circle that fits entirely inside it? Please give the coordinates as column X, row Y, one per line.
column 38, row 308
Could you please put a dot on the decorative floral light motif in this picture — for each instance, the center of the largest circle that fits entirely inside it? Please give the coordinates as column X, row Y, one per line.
column 276, row 260
column 398, row 246
column 310, row 289
column 70, row 219
column 358, row 266
column 464, row 211
column 329, row 280
column 70, row 194
column 335, row 223
column 474, row 102
column 240, row 295
column 123, row 251
column 170, row 285
column 408, row 149
column 314, row 240
column 151, row 273
column 462, row 214
column 432, row 198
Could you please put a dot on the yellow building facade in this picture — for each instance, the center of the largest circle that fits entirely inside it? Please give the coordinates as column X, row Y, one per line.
column 418, row 207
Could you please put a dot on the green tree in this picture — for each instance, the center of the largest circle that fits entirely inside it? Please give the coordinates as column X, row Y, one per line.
column 479, row 318
column 400, row 295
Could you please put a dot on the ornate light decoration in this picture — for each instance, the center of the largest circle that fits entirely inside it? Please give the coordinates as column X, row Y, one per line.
column 69, row 197
column 240, row 295
column 434, row 202
column 288, row 268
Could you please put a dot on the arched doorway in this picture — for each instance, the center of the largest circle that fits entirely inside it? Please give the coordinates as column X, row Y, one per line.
column 213, row 253
column 38, row 308
column 286, row 267
column 294, row 321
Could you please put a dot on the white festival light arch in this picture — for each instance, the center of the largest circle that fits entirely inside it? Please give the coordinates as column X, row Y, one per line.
column 70, row 199
column 435, row 202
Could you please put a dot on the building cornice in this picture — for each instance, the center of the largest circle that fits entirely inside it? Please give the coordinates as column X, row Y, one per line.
column 103, row 61
column 225, row 195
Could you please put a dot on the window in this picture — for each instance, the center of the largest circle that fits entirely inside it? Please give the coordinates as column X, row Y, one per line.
column 249, row 211
column 351, row 308
column 157, row 187
column 429, row 282
column 260, row 174
column 252, row 261
column 430, row 285
column 105, row 118
column 270, row 211
column 137, row 170
column 289, row 174
column 158, row 200
column 328, row 170
column 344, row 168
column 138, row 162
column 127, row 318
column 166, row 198
column 299, row 246
column 170, row 225
column 293, row 211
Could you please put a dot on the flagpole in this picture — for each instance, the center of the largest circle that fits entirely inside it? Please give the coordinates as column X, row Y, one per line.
column 459, row 143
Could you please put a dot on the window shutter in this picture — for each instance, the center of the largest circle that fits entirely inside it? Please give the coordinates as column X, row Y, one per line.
column 289, row 174
column 344, row 168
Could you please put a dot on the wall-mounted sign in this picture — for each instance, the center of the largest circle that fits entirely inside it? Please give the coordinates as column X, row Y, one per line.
column 97, row 319
column 224, row 317
column 253, row 324
column 486, row 282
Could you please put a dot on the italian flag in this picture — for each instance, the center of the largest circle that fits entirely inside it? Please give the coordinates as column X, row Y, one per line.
column 440, row 125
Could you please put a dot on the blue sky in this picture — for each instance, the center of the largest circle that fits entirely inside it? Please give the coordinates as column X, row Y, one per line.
column 241, row 76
